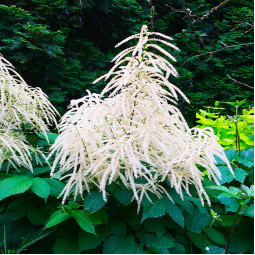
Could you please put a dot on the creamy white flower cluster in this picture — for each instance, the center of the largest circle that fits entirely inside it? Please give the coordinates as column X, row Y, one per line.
column 136, row 135
column 20, row 105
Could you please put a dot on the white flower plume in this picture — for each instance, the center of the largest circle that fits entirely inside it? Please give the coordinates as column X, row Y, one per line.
column 20, row 105
column 137, row 133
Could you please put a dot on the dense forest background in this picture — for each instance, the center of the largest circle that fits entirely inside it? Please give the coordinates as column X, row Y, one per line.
column 62, row 46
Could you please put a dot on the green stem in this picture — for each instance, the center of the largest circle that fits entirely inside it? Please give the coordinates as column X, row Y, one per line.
column 235, row 221
column 207, row 234
column 5, row 249
column 237, row 140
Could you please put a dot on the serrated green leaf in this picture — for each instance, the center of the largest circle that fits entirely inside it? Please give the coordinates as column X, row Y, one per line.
column 14, row 185
column 56, row 218
column 94, row 201
column 124, row 196
column 248, row 154
column 66, row 245
column 88, row 241
column 56, row 186
column 73, row 204
column 250, row 211
column 245, row 162
column 82, row 218
column 225, row 174
column 121, row 245
column 155, row 210
column 231, row 204
column 231, row 154
column 196, row 222
column 197, row 202
column 40, row 170
column 240, row 174
column 175, row 213
column 41, row 188
column 216, row 236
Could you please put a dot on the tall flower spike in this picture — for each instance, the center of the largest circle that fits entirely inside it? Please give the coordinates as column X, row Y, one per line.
column 19, row 105
column 137, row 133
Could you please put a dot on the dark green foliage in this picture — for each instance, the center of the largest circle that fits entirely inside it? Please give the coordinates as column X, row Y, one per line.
column 63, row 46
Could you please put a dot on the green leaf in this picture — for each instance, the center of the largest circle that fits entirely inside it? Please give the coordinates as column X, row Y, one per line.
column 41, row 188
column 175, row 213
column 99, row 217
column 155, row 226
column 245, row 162
column 225, row 174
column 40, row 170
column 216, row 236
column 51, row 137
column 56, row 218
column 178, row 249
column 82, row 218
column 66, row 245
column 197, row 221
column 56, row 186
column 73, row 204
column 231, row 204
column 88, row 241
column 14, row 185
column 94, row 201
column 155, row 210
column 124, row 196
column 215, row 250
column 121, row 245
column 231, row 154
column 240, row 174
column 250, row 211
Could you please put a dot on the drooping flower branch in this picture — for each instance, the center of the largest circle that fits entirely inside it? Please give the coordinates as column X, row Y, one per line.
column 137, row 133
column 20, row 105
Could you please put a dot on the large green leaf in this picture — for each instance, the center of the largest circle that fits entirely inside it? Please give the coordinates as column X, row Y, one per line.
column 88, row 241
column 155, row 210
column 14, row 185
column 56, row 186
column 250, row 211
column 82, row 218
column 197, row 221
column 231, row 204
column 240, row 174
column 225, row 174
column 121, row 245
column 216, row 236
column 175, row 213
column 56, row 218
column 94, row 201
column 41, row 188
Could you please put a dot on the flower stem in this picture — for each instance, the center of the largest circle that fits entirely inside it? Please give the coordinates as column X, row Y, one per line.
column 207, row 234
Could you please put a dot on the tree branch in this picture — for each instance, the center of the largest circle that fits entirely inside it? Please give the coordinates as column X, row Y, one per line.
column 239, row 82
column 211, row 11
column 212, row 52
